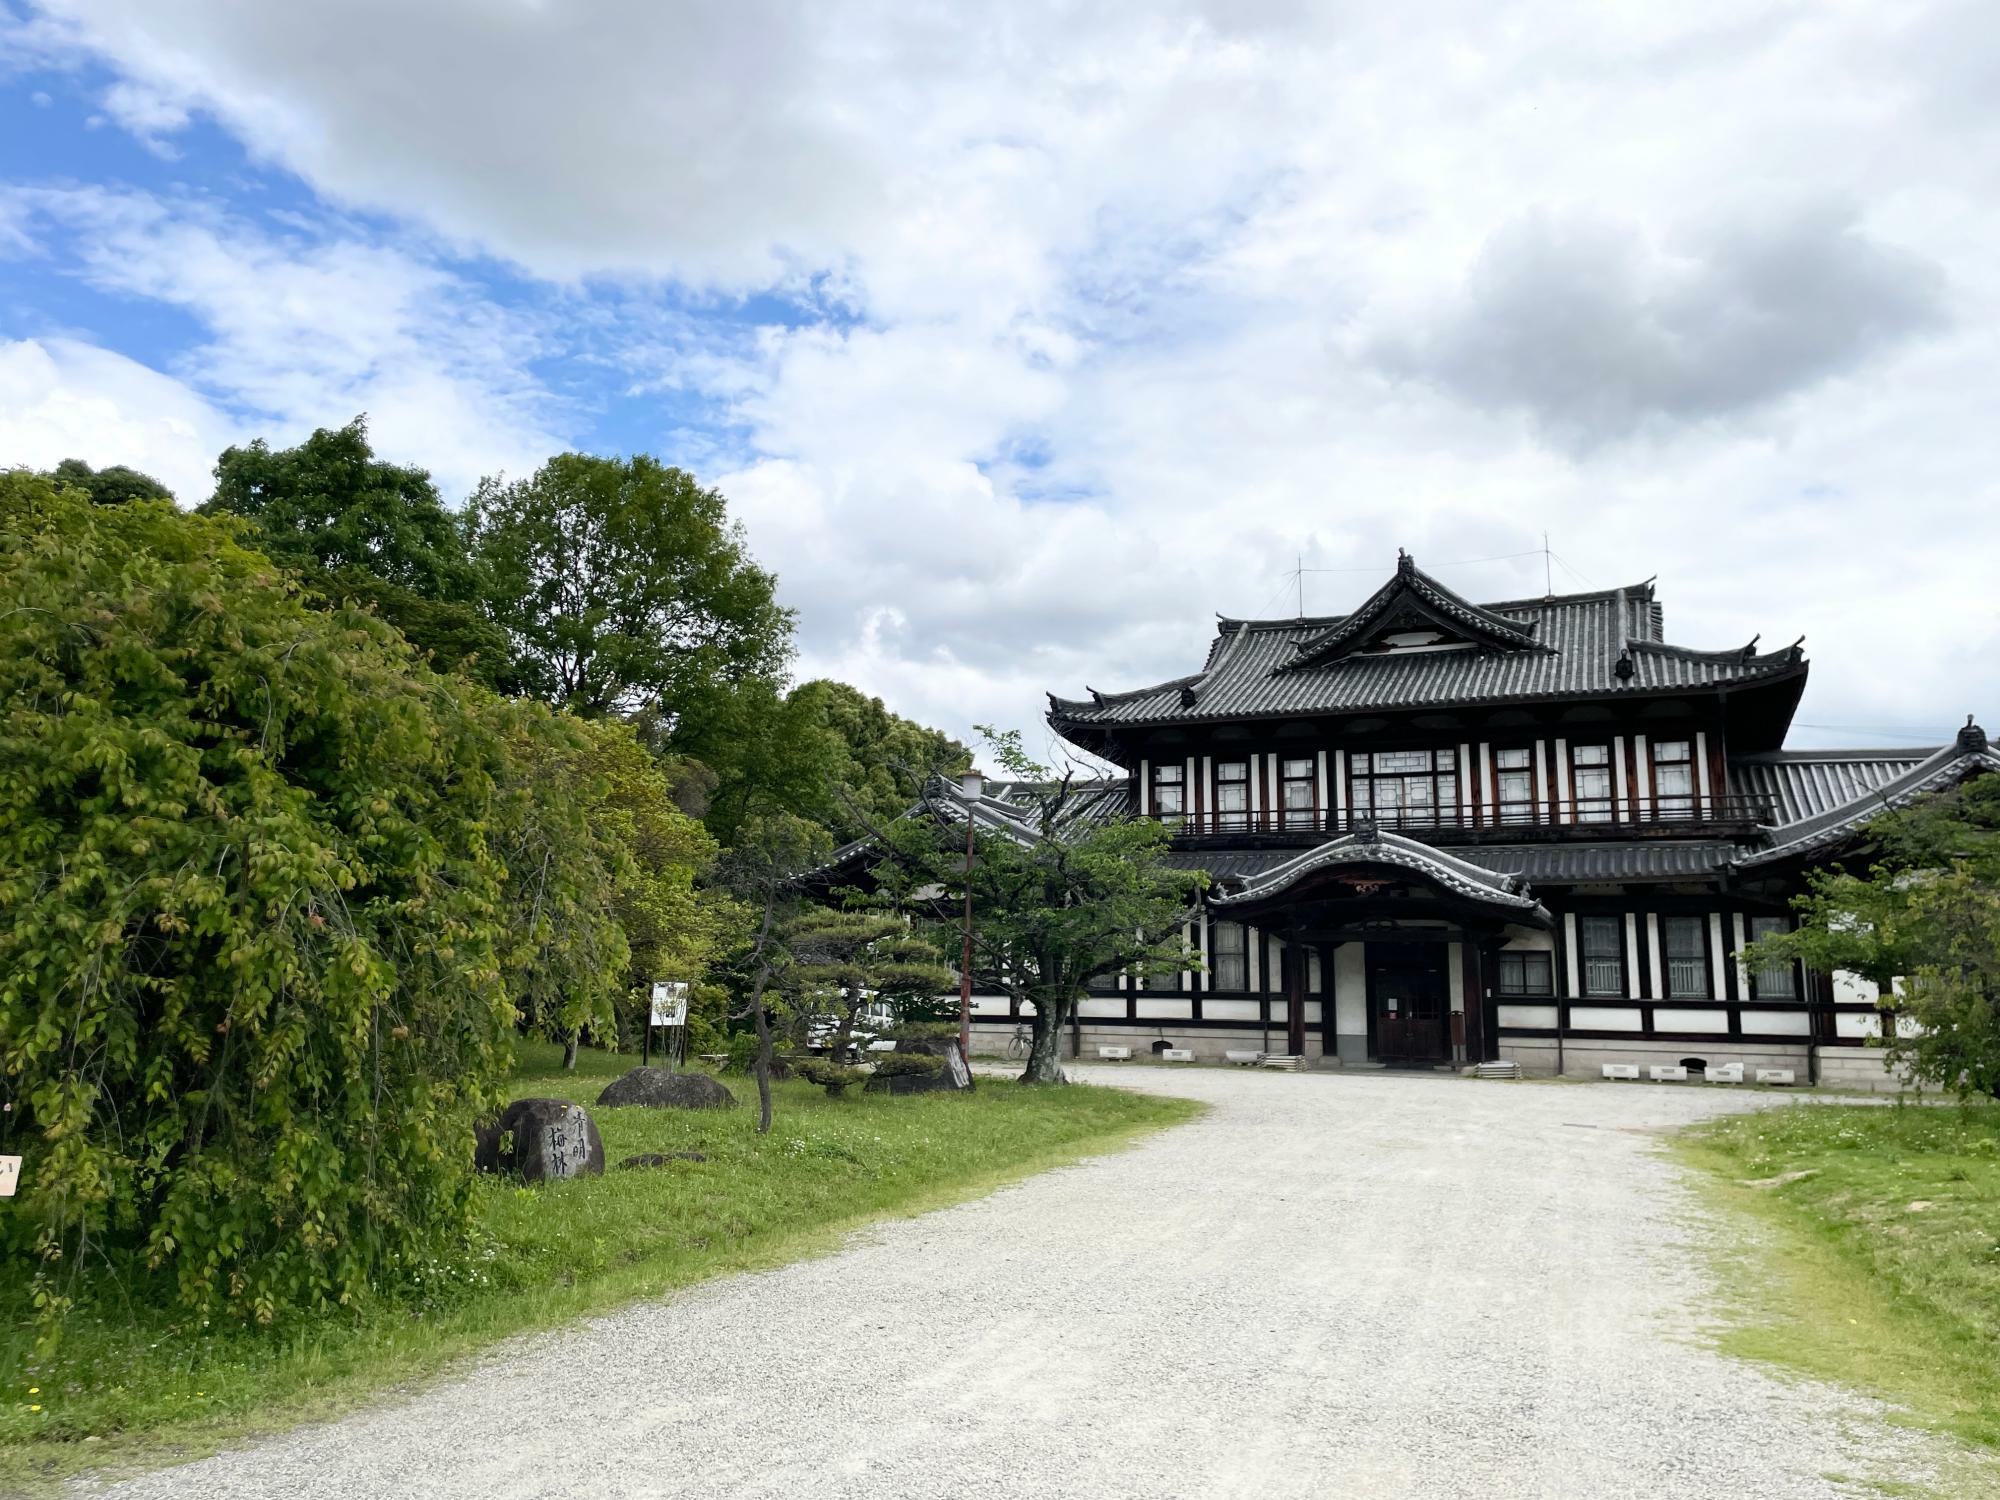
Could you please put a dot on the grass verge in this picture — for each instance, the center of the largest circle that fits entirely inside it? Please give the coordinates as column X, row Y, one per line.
column 133, row 1386
column 1878, row 1265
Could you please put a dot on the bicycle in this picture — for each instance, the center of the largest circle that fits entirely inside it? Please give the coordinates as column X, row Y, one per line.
column 1021, row 1042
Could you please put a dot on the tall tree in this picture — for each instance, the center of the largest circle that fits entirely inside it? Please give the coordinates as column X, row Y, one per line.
column 623, row 584
column 1056, row 898
column 363, row 530
column 114, row 485
column 883, row 760
column 1922, row 920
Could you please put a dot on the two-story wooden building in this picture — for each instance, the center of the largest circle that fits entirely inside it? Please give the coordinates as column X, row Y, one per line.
column 1443, row 832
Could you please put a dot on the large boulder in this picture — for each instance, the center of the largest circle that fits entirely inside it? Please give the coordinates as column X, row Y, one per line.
column 540, row 1140
column 660, row 1088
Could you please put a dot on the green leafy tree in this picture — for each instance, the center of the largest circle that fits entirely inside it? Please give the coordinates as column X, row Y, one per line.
column 1054, row 901
column 114, row 485
column 623, row 584
column 842, row 960
column 1922, row 920
column 250, row 979
column 883, row 761
column 362, row 530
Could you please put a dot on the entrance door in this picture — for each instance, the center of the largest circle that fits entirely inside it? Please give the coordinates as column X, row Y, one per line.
column 1407, row 990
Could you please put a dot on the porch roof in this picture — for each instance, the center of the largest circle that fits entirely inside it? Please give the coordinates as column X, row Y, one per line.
column 1458, row 877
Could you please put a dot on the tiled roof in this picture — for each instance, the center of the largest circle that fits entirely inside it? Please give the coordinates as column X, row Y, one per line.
column 1570, row 645
column 1461, row 877
column 1970, row 755
column 1537, row 864
column 1802, row 784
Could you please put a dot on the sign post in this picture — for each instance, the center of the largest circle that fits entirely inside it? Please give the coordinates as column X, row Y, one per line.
column 669, row 1008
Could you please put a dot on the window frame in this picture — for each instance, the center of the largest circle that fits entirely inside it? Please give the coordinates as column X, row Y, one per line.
column 1677, row 805
column 1522, row 960
column 1704, row 959
column 1515, row 811
column 1584, row 958
column 1305, row 815
column 1177, row 781
column 1217, row 953
column 1232, row 818
column 1441, row 775
column 1603, row 809
column 1794, row 990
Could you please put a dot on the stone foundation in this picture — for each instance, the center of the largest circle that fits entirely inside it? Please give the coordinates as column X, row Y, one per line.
column 1208, row 1044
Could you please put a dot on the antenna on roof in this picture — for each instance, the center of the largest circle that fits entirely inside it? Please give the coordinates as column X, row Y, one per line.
column 1300, row 575
column 1548, row 573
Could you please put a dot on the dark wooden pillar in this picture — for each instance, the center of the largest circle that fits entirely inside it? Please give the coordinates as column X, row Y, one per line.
column 1297, row 971
column 1472, row 986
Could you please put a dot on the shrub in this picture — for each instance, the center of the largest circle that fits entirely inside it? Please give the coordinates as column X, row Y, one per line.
column 899, row 1064
column 250, row 992
column 925, row 1031
column 834, row 1077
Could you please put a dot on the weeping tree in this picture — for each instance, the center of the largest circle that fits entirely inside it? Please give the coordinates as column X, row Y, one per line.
column 841, row 960
column 1058, row 895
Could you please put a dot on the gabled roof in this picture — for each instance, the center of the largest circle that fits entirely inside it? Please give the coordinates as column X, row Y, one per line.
column 1606, row 643
column 1005, row 807
column 1968, row 755
column 1460, row 877
column 1413, row 596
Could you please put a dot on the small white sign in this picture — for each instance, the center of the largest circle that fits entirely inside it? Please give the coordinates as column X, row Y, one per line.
column 10, row 1175
column 670, row 1003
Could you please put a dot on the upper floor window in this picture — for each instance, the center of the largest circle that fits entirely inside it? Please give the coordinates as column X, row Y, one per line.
column 1232, row 794
column 1603, row 943
column 1514, row 785
column 1772, row 981
column 1673, row 778
column 1170, row 792
column 1685, row 940
column 1590, row 776
column 1526, row 972
column 1406, row 786
column 1296, row 785
column 1229, row 957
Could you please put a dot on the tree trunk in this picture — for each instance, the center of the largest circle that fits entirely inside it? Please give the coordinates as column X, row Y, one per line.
column 1045, row 1054
column 763, row 1019
column 569, row 1051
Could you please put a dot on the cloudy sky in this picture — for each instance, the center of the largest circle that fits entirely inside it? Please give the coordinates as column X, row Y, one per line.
column 1027, row 338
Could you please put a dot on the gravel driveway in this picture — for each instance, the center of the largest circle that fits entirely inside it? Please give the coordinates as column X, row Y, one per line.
column 1332, row 1285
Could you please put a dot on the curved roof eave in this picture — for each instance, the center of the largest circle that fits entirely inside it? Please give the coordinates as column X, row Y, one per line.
column 1475, row 883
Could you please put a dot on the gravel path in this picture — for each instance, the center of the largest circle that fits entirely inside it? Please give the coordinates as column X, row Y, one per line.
column 1333, row 1284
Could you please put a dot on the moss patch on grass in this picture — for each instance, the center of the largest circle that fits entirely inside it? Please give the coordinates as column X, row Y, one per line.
column 1877, row 1261
column 152, row 1386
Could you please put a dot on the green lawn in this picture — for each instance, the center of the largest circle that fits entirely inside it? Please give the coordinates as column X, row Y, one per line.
column 1879, row 1264
column 150, row 1387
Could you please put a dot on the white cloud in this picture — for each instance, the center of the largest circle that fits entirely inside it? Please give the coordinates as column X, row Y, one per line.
column 309, row 329
column 1101, row 298
column 63, row 399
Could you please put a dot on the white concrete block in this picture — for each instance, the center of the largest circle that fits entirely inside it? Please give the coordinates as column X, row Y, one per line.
column 1674, row 1074
column 1177, row 1054
column 1621, row 1070
column 1777, row 1075
column 1726, row 1073
column 1114, row 1054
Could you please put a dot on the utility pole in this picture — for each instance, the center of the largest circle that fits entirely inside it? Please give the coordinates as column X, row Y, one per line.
column 973, row 786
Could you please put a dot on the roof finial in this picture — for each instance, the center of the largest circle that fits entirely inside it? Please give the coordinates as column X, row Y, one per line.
column 1972, row 737
column 1404, row 562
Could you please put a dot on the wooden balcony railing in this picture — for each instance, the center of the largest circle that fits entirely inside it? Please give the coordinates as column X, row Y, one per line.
column 1618, row 817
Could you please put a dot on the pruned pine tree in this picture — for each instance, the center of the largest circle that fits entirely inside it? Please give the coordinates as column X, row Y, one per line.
column 761, row 870
column 1057, row 895
column 843, row 959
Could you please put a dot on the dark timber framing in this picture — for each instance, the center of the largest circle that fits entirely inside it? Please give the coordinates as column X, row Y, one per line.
column 1428, row 770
